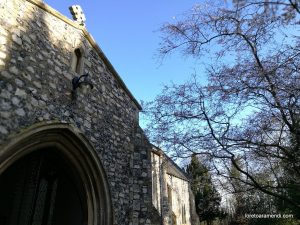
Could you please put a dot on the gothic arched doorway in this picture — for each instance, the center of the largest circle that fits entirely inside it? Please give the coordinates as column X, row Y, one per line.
column 41, row 189
column 50, row 175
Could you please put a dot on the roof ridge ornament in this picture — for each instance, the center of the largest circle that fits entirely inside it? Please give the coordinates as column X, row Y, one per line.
column 78, row 14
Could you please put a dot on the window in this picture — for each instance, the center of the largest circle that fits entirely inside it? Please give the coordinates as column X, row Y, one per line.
column 170, row 197
column 183, row 215
column 77, row 61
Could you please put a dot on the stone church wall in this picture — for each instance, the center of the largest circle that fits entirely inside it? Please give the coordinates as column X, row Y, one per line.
column 171, row 193
column 180, row 208
column 37, row 47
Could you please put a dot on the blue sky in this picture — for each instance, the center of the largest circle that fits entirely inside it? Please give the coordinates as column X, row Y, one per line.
column 128, row 33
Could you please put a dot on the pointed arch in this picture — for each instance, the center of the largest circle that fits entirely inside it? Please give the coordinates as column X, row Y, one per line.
column 70, row 144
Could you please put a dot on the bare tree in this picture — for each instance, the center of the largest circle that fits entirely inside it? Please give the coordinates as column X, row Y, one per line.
column 250, row 106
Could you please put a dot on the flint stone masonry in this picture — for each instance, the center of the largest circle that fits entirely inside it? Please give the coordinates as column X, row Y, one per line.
column 37, row 47
column 171, row 193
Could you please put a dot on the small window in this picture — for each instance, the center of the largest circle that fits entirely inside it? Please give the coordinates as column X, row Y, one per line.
column 77, row 61
column 170, row 197
column 183, row 215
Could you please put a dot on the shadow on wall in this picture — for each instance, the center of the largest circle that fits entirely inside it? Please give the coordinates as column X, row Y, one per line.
column 35, row 65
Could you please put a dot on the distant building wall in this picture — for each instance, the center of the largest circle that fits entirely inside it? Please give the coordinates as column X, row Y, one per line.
column 156, row 184
column 171, row 195
column 180, row 198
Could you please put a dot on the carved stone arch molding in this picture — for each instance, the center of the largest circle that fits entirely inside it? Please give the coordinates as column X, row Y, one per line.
column 78, row 152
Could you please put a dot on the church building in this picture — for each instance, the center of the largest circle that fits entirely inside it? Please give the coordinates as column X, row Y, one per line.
column 71, row 148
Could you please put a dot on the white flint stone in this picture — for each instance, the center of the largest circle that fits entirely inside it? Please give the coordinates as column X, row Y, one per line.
column 68, row 76
column 3, row 40
column 27, row 76
column 3, row 31
column 52, row 72
column 57, row 69
column 42, row 103
column 6, row 74
column 46, row 116
column 16, row 32
column 3, row 130
column 44, row 97
column 15, row 101
column 20, row 112
column 34, row 102
column 16, row 39
column 32, row 59
column 37, row 84
column 27, row 39
column 5, row 114
column 2, row 55
column 32, row 36
column 20, row 92
column 14, row 70
column 5, row 94
column 52, row 85
column 4, row 48
column 33, row 90
column 19, row 82
column 30, row 69
column 2, row 63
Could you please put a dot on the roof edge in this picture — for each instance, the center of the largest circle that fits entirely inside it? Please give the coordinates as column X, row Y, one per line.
column 158, row 151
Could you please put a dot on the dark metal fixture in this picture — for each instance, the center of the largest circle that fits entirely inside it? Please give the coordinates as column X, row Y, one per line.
column 82, row 80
